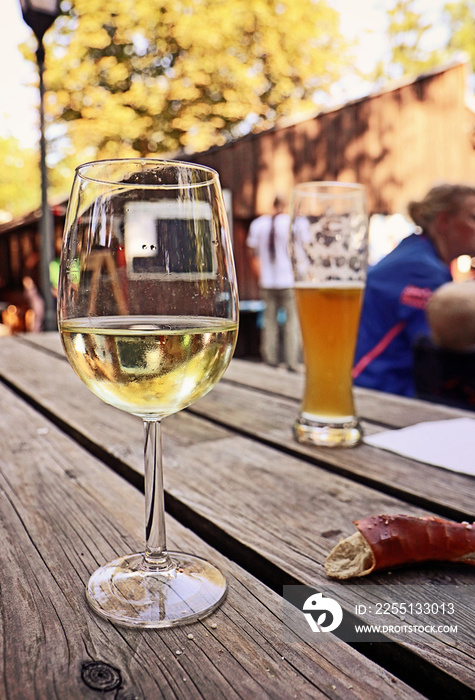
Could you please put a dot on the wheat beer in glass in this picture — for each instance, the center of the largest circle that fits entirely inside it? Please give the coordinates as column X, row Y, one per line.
column 329, row 242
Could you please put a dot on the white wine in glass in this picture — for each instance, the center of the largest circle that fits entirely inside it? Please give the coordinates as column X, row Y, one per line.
column 148, row 316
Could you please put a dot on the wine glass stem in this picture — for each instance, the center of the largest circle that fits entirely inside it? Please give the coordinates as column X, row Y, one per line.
column 156, row 556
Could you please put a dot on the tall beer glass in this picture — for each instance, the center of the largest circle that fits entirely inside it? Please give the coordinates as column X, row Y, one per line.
column 329, row 242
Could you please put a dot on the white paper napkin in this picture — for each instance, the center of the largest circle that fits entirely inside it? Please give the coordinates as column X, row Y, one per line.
column 445, row 443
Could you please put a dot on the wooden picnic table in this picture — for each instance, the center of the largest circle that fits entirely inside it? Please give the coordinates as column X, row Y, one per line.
column 240, row 492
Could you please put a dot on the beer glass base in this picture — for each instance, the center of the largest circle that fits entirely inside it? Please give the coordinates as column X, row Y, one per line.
column 317, row 432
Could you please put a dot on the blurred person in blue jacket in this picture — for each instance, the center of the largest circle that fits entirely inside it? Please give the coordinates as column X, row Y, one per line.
column 400, row 285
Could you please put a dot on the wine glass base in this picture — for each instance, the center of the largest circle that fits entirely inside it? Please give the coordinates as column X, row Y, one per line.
column 126, row 592
column 346, row 434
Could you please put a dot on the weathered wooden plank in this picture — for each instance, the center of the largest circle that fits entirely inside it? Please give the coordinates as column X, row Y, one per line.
column 62, row 514
column 120, row 434
column 48, row 380
column 270, row 420
column 375, row 406
column 384, row 409
column 284, row 509
column 259, row 414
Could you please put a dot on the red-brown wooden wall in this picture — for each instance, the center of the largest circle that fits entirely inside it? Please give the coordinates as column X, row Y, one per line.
column 398, row 143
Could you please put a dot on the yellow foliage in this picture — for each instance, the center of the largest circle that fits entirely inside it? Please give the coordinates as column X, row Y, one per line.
column 150, row 76
column 19, row 178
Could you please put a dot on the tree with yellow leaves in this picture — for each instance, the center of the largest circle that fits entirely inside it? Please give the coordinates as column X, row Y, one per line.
column 19, row 179
column 408, row 53
column 144, row 77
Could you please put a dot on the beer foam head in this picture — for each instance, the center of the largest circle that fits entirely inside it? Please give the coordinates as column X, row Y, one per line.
column 330, row 284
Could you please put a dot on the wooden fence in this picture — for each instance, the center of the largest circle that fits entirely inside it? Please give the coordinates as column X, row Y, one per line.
column 397, row 142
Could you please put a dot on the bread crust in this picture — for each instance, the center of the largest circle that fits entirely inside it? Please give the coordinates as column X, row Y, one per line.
column 386, row 541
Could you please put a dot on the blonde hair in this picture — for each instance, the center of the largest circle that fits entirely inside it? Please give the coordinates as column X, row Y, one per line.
column 442, row 198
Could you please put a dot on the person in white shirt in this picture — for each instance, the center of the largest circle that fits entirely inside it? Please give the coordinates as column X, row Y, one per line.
column 268, row 240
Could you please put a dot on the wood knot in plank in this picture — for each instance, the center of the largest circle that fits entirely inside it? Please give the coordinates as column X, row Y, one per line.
column 98, row 675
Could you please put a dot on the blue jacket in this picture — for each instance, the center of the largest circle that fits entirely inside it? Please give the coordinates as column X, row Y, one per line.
column 393, row 315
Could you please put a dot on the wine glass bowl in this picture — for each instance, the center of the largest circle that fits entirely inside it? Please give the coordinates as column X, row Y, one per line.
column 147, row 311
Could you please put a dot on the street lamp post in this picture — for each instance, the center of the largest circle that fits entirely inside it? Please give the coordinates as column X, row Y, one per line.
column 40, row 15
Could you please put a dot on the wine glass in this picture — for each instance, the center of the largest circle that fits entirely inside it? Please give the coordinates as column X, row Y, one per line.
column 147, row 311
